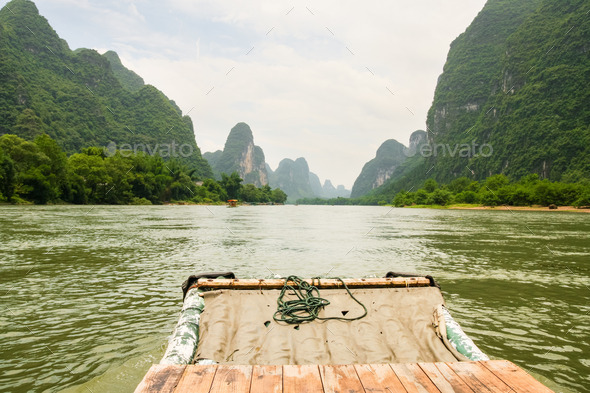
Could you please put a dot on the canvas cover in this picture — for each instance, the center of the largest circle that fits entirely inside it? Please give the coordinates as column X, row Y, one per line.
column 237, row 327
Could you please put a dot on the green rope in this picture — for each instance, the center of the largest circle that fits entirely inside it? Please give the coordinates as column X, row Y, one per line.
column 308, row 304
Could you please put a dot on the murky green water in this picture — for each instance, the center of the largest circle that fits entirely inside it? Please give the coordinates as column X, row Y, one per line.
column 90, row 294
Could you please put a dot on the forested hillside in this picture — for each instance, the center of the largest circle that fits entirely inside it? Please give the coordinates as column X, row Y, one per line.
column 76, row 98
column 515, row 83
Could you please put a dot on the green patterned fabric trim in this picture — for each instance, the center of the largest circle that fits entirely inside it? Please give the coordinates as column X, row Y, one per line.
column 183, row 343
column 459, row 339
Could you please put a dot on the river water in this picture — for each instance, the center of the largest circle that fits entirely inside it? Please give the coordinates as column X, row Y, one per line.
column 90, row 294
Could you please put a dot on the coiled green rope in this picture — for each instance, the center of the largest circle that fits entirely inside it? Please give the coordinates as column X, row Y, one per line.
column 307, row 306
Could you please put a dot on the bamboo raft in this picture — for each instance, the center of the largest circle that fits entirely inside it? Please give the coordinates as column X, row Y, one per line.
column 482, row 376
column 438, row 376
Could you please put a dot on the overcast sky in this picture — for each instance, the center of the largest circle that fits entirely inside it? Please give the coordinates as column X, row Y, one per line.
column 329, row 81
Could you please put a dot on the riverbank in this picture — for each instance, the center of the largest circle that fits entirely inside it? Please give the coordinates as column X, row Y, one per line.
column 464, row 206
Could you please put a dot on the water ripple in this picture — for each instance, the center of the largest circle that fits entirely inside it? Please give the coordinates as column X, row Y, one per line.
column 90, row 294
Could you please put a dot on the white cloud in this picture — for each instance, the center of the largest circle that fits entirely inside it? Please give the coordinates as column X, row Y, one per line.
column 324, row 110
column 300, row 89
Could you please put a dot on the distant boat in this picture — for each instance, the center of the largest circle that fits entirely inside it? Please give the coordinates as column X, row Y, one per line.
column 370, row 334
column 232, row 202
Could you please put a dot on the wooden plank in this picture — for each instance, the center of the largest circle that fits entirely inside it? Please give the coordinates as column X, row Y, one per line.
column 379, row 378
column 161, row 378
column 340, row 379
column 302, row 379
column 444, row 378
column 451, row 376
column 232, row 379
column 397, row 282
column 515, row 377
column 413, row 378
column 267, row 379
column 196, row 379
column 461, row 377
column 478, row 377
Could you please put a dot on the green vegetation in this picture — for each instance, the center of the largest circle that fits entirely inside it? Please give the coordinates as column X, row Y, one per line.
column 514, row 80
column 40, row 172
column 494, row 191
column 80, row 98
column 498, row 190
column 366, row 200
column 264, row 194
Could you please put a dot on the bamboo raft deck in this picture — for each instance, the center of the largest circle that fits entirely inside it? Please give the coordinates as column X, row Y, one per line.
column 464, row 377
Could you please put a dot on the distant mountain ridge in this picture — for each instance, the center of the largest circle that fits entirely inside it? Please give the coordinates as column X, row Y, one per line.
column 389, row 157
column 241, row 155
column 329, row 191
column 316, row 184
column 295, row 178
column 77, row 98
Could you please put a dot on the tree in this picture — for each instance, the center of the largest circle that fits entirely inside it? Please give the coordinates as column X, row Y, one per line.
column 466, row 197
column 584, row 200
column 278, row 196
column 474, row 186
column 460, row 184
column 545, row 193
column 24, row 154
column 142, row 180
column 430, row 185
column 249, row 193
column 231, row 184
column 496, row 182
column 118, row 191
column 32, row 169
column 36, row 187
column 441, row 197
column 265, row 193
column 402, row 198
column 488, row 198
column 521, row 196
column 57, row 170
column 7, row 177
column 90, row 172
column 420, row 197
column 211, row 190
column 529, row 180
